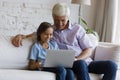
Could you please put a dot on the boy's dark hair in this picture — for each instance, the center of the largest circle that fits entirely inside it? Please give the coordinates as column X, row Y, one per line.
column 42, row 28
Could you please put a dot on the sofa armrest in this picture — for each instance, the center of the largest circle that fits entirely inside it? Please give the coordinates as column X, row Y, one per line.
column 108, row 51
column 107, row 44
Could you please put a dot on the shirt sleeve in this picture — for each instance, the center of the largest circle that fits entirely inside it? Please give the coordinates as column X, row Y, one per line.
column 83, row 39
column 33, row 53
column 54, row 44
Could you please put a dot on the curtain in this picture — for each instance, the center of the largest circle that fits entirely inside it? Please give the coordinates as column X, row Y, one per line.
column 106, row 19
column 117, row 35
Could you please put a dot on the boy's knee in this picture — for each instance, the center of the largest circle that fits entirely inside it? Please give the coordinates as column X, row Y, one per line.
column 69, row 71
column 61, row 70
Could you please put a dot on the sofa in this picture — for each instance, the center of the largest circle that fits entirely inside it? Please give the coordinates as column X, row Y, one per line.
column 14, row 60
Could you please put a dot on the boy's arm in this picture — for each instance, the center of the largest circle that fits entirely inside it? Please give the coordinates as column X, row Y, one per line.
column 17, row 40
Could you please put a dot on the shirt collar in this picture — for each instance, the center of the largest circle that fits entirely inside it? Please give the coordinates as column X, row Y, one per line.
column 70, row 25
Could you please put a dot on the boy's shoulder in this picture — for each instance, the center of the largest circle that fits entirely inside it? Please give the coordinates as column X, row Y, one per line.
column 53, row 42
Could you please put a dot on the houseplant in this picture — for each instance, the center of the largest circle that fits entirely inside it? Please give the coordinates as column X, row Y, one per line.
column 89, row 30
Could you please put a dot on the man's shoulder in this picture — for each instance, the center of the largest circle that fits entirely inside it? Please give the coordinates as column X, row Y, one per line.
column 77, row 26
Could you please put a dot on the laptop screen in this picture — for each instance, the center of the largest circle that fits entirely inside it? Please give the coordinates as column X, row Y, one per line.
column 63, row 58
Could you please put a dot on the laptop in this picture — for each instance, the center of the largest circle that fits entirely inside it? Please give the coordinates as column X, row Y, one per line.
column 63, row 58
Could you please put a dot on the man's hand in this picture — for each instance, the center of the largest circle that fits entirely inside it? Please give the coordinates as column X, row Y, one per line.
column 17, row 40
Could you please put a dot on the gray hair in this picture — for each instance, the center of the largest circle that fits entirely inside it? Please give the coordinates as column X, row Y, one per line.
column 61, row 9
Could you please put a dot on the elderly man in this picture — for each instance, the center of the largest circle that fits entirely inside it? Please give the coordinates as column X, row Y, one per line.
column 73, row 36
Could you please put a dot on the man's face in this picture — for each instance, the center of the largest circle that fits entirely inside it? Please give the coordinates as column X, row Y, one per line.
column 60, row 22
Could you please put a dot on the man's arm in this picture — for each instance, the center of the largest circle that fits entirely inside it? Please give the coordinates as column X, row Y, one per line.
column 85, row 54
column 17, row 40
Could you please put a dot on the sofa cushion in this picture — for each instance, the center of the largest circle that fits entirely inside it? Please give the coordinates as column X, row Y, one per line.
column 13, row 57
column 12, row 74
column 108, row 51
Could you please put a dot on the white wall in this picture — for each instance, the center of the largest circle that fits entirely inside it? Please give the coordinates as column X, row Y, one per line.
column 24, row 16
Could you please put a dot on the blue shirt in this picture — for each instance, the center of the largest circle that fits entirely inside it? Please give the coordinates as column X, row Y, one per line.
column 74, row 37
column 38, row 53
